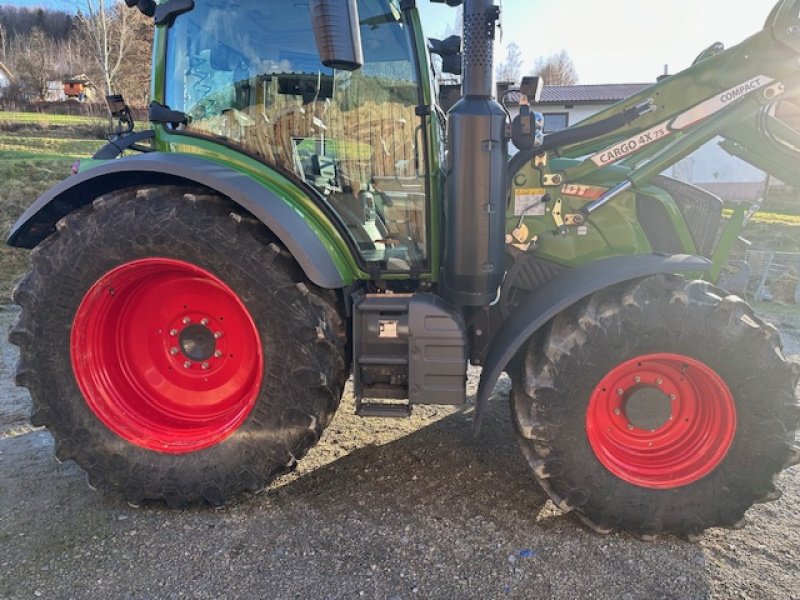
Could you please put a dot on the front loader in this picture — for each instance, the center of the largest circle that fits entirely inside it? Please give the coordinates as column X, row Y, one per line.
column 302, row 210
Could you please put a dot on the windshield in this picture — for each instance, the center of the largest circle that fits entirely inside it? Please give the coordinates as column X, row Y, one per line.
column 249, row 72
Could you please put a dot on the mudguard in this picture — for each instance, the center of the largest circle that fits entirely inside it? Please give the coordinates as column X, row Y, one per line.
column 562, row 292
column 281, row 217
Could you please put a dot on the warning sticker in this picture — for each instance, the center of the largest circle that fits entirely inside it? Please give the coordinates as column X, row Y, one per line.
column 627, row 147
column 588, row 192
column 720, row 101
column 528, row 201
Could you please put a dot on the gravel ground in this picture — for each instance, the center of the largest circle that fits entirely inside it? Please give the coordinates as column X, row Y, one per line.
column 380, row 509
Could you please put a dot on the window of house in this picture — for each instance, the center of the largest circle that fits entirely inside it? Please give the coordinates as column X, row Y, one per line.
column 555, row 122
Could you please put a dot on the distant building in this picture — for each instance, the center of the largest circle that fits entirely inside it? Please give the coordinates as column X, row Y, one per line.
column 6, row 78
column 55, row 91
column 709, row 167
column 565, row 105
column 80, row 88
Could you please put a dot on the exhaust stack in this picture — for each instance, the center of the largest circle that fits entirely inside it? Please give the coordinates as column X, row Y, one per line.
column 475, row 195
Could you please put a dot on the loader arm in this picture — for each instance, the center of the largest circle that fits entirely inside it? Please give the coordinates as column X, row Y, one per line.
column 713, row 84
column 768, row 144
column 722, row 90
column 613, row 157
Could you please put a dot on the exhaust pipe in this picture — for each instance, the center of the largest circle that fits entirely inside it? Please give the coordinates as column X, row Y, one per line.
column 475, row 194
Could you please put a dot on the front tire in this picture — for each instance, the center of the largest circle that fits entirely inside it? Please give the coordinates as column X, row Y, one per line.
column 657, row 407
column 173, row 349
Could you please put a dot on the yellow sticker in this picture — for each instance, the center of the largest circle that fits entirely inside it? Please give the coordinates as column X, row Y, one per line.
column 528, row 201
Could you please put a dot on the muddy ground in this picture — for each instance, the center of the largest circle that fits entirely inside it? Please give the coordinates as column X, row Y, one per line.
column 380, row 509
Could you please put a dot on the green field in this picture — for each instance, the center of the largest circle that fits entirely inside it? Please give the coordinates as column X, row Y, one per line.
column 36, row 152
column 46, row 119
column 15, row 146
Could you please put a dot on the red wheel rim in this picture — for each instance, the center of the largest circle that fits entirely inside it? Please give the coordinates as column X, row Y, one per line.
column 166, row 355
column 661, row 420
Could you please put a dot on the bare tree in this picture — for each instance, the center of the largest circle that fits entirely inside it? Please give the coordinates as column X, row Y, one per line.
column 556, row 69
column 3, row 43
column 511, row 68
column 105, row 25
column 35, row 63
column 133, row 78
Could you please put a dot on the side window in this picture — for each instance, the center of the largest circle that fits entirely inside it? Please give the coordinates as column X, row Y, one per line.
column 254, row 78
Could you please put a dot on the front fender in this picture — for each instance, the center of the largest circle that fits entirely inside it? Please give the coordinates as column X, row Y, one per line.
column 303, row 237
column 562, row 292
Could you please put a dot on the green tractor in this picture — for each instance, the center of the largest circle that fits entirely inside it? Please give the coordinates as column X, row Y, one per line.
column 302, row 210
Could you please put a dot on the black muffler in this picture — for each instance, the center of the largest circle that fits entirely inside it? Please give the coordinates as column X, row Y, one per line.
column 476, row 188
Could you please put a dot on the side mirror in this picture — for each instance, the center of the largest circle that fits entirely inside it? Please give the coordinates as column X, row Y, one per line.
column 120, row 111
column 337, row 33
column 450, row 51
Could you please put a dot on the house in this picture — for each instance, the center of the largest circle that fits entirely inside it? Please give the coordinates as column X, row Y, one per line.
column 55, row 91
column 565, row 105
column 709, row 167
column 79, row 88
column 6, row 78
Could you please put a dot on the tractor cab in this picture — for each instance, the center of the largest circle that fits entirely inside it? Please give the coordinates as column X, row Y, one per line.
column 252, row 79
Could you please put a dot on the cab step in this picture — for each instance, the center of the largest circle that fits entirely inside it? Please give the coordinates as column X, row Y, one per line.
column 383, row 410
column 407, row 349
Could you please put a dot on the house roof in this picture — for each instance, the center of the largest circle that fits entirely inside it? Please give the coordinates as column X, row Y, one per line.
column 605, row 93
column 590, row 94
column 81, row 79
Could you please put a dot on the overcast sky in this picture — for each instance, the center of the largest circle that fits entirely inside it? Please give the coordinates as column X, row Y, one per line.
column 613, row 41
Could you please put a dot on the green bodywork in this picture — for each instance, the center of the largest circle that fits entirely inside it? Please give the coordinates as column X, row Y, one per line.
column 746, row 129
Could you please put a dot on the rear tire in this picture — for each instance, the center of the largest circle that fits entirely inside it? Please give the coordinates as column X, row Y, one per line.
column 135, row 372
column 658, row 407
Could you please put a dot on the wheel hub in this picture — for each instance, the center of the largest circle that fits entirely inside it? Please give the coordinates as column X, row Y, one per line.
column 647, row 408
column 197, row 342
column 661, row 420
column 166, row 355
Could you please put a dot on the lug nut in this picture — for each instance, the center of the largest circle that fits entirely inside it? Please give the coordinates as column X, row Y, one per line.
column 217, row 335
column 204, row 365
column 186, row 320
column 637, row 379
column 188, row 364
column 203, row 321
column 630, row 427
column 659, row 381
column 173, row 332
column 617, row 411
column 217, row 353
column 620, row 392
column 173, row 351
column 673, row 397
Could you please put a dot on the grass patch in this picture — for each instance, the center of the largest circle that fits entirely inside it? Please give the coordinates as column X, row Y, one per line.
column 24, row 180
column 36, row 152
column 770, row 218
column 783, row 202
column 773, row 236
column 32, row 147
column 33, row 118
column 33, row 125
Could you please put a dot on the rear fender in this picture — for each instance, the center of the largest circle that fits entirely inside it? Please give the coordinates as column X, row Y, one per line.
column 302, row 236
column 559, row 294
